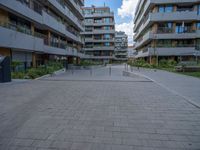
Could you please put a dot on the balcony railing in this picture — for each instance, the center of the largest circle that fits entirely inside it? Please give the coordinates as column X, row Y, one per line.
column 164, row 30
column 21, row 29
column 36, row 6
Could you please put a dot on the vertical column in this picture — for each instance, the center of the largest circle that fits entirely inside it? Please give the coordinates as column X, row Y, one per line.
column 32, row 29
column 49, row 37
column 34, row 64
column 78, row 60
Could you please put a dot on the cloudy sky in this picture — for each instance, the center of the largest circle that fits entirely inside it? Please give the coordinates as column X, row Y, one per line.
column 124, row 13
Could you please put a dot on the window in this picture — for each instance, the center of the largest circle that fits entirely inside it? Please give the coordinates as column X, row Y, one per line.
column 198, row 10
column 168, row 8
column 107, row 20
column 98, row 20
column 107, row 28
column 184, row 28
column 165, row 27
column 106, row 36
column 88, row 11
column 161, row 9
column 165, row 8
column 106, row 44
column 89, row 20
column 198, row 26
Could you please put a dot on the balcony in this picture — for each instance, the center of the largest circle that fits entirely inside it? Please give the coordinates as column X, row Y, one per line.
column 23, row 10
column 144, row 39
column 17, row 37
column 97, row 57
column 67, row 13
column 97, row 40
column 111, row 14
column 100, row 48
column 148, row 4
column 160, row 17
column 99, row 23
column 100, row 31
column 77, row 7
column 53, row 23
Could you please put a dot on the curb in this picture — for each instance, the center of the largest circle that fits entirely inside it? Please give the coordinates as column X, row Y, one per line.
column 49, row 75
column 168, row 89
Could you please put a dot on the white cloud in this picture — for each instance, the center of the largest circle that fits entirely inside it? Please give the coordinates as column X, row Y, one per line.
column 128, row 29
column 127, row 9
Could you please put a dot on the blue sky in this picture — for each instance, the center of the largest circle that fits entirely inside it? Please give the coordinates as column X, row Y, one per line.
column 124, row 13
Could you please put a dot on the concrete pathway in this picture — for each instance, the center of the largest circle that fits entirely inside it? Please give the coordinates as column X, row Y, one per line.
column 70, row 112
column 186, row 86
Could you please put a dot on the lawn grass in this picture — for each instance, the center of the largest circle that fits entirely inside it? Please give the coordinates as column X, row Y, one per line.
column 193, row 74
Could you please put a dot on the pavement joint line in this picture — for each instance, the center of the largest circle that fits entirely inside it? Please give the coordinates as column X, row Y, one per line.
column 93, row 80
column 172, row 91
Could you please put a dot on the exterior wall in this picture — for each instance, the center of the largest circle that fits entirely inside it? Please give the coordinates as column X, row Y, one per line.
column 168, row 32
column 49, row 28
column 95, row 33
column 121, row 46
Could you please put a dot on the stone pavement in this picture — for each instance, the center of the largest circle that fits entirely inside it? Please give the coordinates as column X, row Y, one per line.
column 70, row 113
column 186, row 86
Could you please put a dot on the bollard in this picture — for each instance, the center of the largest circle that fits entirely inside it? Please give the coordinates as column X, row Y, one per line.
column 131, row 68
column 72, row 70
column 90, row 71
column 110, row 70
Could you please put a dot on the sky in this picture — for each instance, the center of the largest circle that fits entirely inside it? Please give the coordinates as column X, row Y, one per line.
column 124, row 13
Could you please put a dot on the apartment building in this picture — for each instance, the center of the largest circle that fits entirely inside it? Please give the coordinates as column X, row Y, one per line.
column 121, row 46
column 99, row 33
column 35, row 31
column 167, row 29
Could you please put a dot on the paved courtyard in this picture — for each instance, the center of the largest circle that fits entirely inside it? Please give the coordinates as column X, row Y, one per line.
column 80, row 110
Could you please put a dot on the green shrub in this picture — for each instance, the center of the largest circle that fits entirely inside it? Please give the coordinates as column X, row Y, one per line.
column 88, row 63
column 167, row 63
column 15, row 64
column 18, row 75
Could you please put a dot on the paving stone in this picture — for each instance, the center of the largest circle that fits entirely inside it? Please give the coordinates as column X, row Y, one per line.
column 80, row 112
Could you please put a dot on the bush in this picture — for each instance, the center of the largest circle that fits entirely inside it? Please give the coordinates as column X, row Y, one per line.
column 15, row 64
column 36, row 72
column 88, row 63
column 18, row 75
column 167, row 63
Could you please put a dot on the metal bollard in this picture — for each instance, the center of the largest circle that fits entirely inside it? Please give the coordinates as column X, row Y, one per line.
column 72, row 70
column 110, row 71
column 90, row 71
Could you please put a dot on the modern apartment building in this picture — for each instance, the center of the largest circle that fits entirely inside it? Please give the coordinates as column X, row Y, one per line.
column 121, row 46
column 99, row 33
column 167, row 29
column 35, row 31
